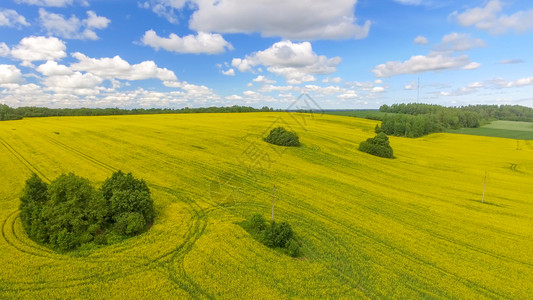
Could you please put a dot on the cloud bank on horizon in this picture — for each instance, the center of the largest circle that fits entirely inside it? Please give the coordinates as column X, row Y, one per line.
column 343, row 53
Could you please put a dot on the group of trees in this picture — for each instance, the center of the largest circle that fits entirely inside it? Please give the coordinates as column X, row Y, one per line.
column 8, row 113
column 69, row 212
column 502, row 112
column 282, row 137
column 274, row 235
column 378, row 145
column 409, row 125
column 416, row 119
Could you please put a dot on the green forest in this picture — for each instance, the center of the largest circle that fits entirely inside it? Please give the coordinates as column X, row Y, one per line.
column 9, row 113
column 416, row 119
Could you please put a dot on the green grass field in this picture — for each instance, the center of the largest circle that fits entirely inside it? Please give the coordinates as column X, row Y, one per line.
column 504, row 129
column 411, row 227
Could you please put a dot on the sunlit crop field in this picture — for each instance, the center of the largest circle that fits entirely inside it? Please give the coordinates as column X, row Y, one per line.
column 411, row 227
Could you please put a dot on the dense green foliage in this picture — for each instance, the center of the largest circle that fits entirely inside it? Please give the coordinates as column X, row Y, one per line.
column 70, row 212
column 484, row 112
column 416, row 119
column 274, row 235
column 372, row 114
column 8, row 113
column 282, row 137
column 378, row 146
column 409, row 125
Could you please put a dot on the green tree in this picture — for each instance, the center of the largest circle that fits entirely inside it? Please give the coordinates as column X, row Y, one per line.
column 70, row 212
column 377, row 129
column 257, row 222
column 127, row 195
column 130, row 223
column 378, row 146
column 282, row 137
column 277, row 235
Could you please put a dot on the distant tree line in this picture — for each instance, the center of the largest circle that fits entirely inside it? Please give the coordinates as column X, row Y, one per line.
column 9, row 113
column 416, row 119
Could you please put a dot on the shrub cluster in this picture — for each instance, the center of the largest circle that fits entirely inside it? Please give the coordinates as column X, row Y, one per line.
column 378, row 146
column 282, row 137
column 69, row 212
column 274, row 235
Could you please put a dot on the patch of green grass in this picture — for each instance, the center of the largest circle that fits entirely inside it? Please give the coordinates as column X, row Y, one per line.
column 503, row 129
column 511, row 125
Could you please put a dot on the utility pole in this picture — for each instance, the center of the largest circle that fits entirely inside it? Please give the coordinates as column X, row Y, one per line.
column 484, row 184
column 273, row 200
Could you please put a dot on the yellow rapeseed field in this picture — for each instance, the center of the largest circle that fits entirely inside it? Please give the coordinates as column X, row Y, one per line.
column 410, row 227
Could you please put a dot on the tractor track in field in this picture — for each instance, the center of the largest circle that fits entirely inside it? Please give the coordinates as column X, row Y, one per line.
column 333, row 241
column 406, row 255
column 402, row 253
column 174, row 267
column 23, row 160
column 164, row 260
column 80, row 154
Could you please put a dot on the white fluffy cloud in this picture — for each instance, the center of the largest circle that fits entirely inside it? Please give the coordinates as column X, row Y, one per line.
column 72, row 28
column 38, row 48
column 233, row 97
column 165, row 8
column 31, row 94
column 290, row 19
column 81, row 84
column 420, row 40
column 52, row 68
column 4, row 50
column 10, row 18
column 294, row 61
column 498, row 83
column 441, row 58
column 332, row 80
column 491, row 19
column 203, row 42
column 501, row 83
column 52, row 3
column 9, row 74
column 420, row 63
column 230, row 72
column 411, row 86
column 471, row 88
column 459, row 42
column 263, row 79
column 77, row 83
column 116, row 67
column 350, row 94
column 323, row 90
column 472, row 66
column 267, row 88
column 378, row 89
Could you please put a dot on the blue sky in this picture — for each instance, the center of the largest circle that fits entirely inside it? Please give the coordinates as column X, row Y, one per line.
column 343, row 53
